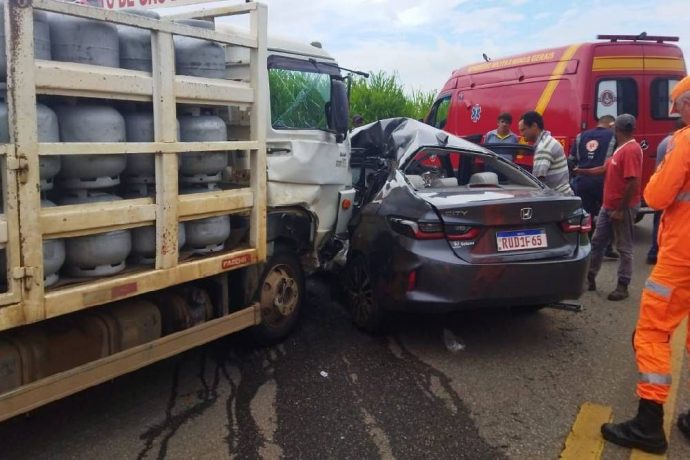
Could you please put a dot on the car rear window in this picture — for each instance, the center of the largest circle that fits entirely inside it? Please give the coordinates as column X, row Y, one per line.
column 439, row 168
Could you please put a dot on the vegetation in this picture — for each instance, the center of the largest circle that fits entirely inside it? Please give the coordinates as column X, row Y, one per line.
column 298, row 99
column 383, row 96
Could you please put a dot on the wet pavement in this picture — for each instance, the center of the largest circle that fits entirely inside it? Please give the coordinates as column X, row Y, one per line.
column 479, row 385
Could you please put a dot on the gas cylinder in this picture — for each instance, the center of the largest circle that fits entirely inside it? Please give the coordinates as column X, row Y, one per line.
column 41, row 38
column 53, row 255
column 91, row 123
column 197, row 57
column 141, row 168
column 144, row 243
column 48, row 131
column 206, row 235
column 84, row 41
column 202, row 167
column 96, row 255
column 135, row 43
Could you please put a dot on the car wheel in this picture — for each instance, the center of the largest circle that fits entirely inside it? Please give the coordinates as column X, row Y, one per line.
column 280, row 295
column 359, row 296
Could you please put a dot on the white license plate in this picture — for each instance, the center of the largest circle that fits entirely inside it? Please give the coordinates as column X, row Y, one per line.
column 519, row 240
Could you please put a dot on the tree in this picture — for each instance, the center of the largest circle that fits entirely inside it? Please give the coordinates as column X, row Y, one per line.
column 383, row 96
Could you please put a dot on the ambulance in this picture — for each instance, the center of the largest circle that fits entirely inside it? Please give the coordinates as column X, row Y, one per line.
column 571, row 86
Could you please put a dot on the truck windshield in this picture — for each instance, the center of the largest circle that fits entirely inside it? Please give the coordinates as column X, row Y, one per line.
column 300, row 93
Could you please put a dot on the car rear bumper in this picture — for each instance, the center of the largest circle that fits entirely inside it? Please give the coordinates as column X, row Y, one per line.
column 442, row 282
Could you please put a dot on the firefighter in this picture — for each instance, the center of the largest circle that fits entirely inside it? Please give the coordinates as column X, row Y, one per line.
column 666, row 296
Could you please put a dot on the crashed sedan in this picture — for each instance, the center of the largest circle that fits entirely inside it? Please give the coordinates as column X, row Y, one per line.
column 442, row 224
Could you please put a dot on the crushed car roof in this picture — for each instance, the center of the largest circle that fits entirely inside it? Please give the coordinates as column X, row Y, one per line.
column 395, row 138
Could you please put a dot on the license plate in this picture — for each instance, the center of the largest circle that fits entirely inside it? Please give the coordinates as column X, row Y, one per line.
column 519, row 240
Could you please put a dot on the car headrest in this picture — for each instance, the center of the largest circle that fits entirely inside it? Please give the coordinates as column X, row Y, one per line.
column 445, row 182
column 483, row 178
column 416, row 181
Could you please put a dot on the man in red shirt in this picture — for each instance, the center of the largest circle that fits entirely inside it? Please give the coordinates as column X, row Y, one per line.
column 621, row 202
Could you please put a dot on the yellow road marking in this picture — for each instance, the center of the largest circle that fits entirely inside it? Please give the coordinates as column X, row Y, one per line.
column 555, row 78
column 584, row 441
column 677, row 345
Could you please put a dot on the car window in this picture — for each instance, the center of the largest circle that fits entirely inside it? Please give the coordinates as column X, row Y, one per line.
column 616, row 96
column 660, row 91
column 438, row 117
column 299, row 98
column 433, row 168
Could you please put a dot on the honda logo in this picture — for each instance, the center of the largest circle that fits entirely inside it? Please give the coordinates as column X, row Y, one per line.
column 526, row 213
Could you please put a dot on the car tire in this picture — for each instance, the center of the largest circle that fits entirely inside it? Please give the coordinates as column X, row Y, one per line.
column 280, row 294
column 366, row 314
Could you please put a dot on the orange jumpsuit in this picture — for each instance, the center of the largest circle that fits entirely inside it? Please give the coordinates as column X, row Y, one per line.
column 666, row 296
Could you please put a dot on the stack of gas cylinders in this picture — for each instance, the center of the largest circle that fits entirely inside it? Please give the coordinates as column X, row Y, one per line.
column 90, row 178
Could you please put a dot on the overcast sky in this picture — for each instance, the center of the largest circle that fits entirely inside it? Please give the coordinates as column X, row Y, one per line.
column 424, row 40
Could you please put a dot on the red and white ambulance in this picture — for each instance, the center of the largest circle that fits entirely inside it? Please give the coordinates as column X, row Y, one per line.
column 571, row 86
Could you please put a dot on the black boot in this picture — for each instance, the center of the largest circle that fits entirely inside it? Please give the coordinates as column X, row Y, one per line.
column 644, row 432
column 684, row 424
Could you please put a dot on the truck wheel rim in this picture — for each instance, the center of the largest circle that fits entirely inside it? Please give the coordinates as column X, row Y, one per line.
column 279, row 294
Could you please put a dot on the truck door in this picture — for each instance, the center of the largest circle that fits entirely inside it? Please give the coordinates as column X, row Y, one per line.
column 306, row 164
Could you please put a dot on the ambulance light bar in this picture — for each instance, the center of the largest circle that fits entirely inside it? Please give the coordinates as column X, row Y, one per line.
column 641, row 37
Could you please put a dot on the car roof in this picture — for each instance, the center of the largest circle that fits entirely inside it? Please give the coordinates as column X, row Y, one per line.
column 398, row 138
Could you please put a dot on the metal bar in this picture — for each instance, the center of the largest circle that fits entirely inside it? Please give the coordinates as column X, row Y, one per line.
column 209, row 204
column 258, row 121
column 23, row 134
column 164, row 110
column 212, row 11
column 90, row 218
column 66, row 383
column 107, row 148
column 66, row 300
column 85, row 80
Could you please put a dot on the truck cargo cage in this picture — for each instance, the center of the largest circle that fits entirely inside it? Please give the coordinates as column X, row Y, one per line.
column 26, row 299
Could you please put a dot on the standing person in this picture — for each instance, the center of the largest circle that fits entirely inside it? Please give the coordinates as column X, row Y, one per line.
column 502, row 135
column 621, row 201
column 550, row 164
column 660, row 154
column 666, row 297
column 592, row 148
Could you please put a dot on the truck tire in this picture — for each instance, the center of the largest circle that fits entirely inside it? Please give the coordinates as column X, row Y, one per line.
column 366, row 314
column 280, row 295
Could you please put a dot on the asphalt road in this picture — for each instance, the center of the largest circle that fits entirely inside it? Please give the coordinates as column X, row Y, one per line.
column 512, row 389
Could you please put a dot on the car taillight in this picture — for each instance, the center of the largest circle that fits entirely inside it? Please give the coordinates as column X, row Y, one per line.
column 461, row 232
column 581, row 223
column 418, row 230
column 432, row 230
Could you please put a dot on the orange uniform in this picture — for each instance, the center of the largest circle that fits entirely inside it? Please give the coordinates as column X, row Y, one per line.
column 666, row 296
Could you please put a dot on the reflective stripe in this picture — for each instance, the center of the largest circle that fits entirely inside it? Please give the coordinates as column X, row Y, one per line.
column 683, row 196
column 655, row 379
column 657, row 288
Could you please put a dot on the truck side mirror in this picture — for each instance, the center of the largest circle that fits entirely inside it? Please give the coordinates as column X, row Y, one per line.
column 339, row 113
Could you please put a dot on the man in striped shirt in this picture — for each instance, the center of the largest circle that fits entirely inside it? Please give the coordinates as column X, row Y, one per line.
column 550, row 163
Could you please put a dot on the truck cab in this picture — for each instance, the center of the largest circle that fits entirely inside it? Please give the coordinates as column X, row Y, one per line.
column 309, row 177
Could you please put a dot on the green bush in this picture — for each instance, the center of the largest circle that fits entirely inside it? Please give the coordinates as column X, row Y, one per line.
column 383, row 96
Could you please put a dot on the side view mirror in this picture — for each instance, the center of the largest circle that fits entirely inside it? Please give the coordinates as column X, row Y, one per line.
column 339, row 113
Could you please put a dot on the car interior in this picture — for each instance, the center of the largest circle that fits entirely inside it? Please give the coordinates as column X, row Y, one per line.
column 447, row 169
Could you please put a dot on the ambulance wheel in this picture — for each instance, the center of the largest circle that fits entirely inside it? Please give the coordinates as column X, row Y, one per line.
column 280, row 295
